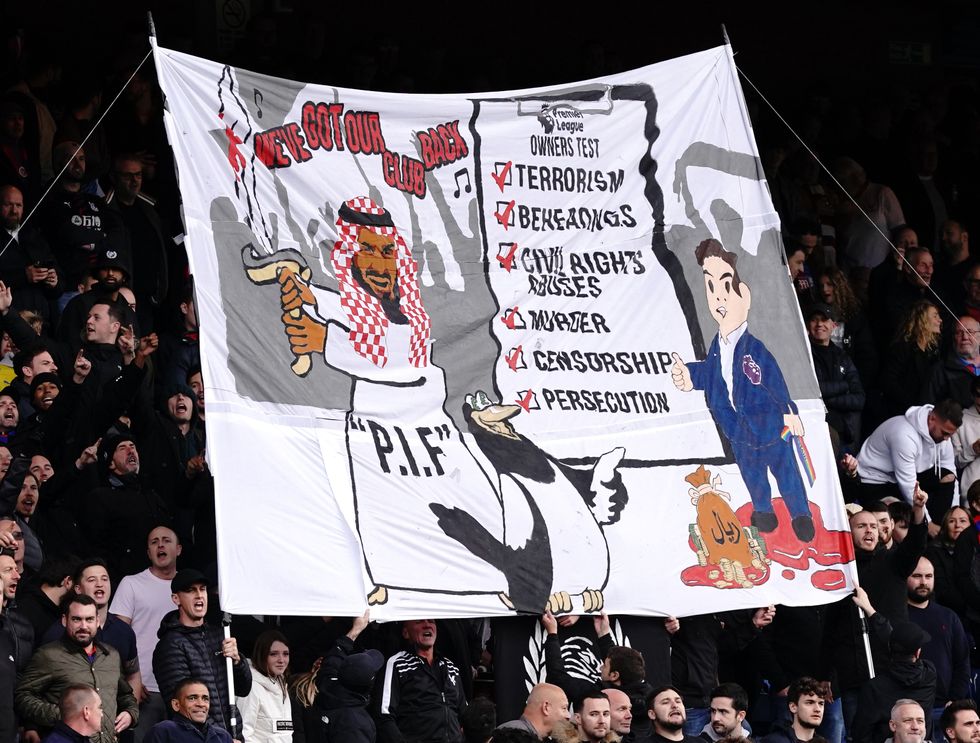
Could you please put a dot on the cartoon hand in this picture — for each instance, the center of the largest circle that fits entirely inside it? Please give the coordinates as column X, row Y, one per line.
column 681, row 374
column 794, row 424
column 306, row 336
column 294, row 291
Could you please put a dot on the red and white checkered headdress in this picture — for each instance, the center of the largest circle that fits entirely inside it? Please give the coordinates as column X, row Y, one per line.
column 369, row 324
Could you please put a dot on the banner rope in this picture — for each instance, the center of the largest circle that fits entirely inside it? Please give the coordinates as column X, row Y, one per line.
column 80, row 146
column 853, row 200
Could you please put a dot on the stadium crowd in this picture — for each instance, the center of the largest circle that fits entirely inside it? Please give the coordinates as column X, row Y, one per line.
column 110, row 626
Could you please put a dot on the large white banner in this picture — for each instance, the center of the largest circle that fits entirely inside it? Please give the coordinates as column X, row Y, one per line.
column 475, row 354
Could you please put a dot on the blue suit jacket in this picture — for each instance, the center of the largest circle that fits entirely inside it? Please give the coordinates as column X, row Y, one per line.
column 761, row 396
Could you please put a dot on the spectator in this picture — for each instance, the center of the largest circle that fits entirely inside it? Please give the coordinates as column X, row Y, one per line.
column 189, row 648
column 18, row 165
column 546, row 706
column 911, row 450
column 906, row 675
column 620, row 714
column 892, row 310
column 92, row 579
column 971, row 297
column 592, row 718
column 729, row 705
column 960, row 722
column 80, row 708
column 908, row 722
column 40, row 600
column 953, row 377
column 806, row 700
column 266, row 711
column 949, row 648
column 16, row 630
column 76, row 658
column 420, row 697
column 940, row 553
column 954, row 261
column 851, row 331
column 142, row 601
column 911, row 359
column 76, row 224
column 479, row 721
column 886, row 524
column 860, row 241
column 27, row 264
column 149, row 249
column 344, row 680
column 966, row 441
column 665, row 708
column 192, row 721
column 180, row 353
column 122, row 509
column 840, row 383
column 19, row 492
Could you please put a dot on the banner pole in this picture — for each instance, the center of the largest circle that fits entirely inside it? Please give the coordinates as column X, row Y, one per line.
column 151, row 28
column 233, row 717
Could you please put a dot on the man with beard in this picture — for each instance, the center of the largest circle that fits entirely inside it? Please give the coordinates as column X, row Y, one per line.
column 806, row 700
column 421, row 696
column 949, row 648
column 122, row 510
column 92, row 579
column 77, row 658
column 620, row 713
column 729, row 703
column 142, row 601
column 960, row 722
column 665, row 708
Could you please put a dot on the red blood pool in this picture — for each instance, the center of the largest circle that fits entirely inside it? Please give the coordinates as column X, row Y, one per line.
column 712, row 576
column 828, row 580
column 827, row 547
column 788, row 574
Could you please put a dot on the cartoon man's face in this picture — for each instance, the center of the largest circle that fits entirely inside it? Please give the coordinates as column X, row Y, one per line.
column 727, row 308
column 376, row 262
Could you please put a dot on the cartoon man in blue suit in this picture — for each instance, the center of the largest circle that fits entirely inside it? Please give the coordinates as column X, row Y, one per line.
column 747, row 395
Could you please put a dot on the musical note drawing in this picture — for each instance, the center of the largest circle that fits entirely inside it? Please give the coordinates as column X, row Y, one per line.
column 468, row 187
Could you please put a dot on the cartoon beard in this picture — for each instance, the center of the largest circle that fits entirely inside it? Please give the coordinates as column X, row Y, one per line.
column 390, row 304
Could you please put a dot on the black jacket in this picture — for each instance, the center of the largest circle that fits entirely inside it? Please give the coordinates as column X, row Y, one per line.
column 841, row 390
column 119, row 517
column 419, row 703
column 182, row 730
column 18, row 628
column 344, row 710
column 883, row 573
column 195, row 652
column 901, row 679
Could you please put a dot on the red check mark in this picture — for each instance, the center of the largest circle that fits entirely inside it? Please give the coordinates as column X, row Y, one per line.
column 504, row 218
column 525, row 401
column 501, row 178
column 507, row 260
column 514, row 358
column 510, row 318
